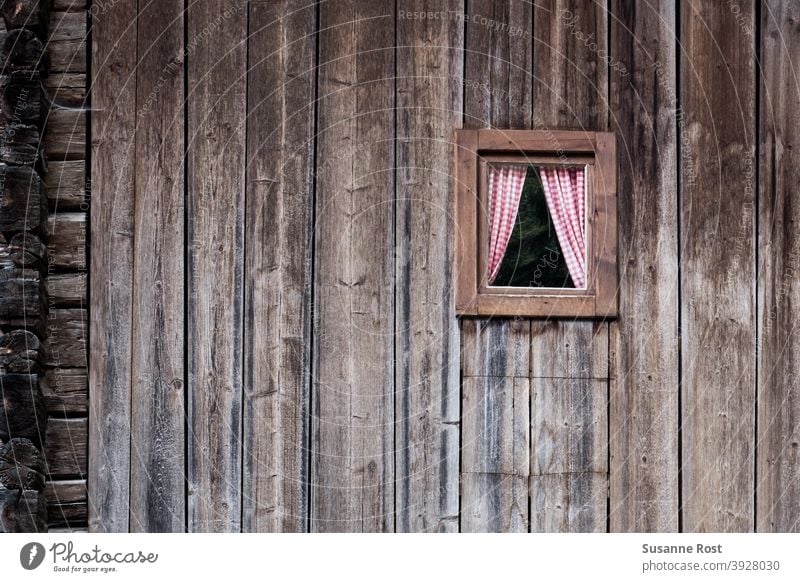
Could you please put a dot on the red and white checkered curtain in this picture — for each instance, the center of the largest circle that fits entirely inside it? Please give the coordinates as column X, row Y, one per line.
column 505, row 189
column 565, row 191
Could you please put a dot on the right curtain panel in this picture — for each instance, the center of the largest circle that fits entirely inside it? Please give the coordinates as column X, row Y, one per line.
column 565, row 192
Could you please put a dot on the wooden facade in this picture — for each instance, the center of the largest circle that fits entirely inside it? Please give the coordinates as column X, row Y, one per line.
column 269, row 327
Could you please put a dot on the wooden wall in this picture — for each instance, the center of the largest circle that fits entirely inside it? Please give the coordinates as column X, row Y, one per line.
column 273, row 340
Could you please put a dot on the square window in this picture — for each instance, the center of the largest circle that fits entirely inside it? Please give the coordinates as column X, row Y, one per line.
column 536, row 223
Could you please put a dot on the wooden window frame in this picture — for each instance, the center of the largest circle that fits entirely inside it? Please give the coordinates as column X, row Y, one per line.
column 475, row 149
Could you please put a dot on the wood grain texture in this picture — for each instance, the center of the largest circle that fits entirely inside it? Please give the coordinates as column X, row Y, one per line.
column 66, row 502
column 352, row 478
column 777, row 440
column 215, row 215
column 65, row 135
column 429, row 108
column 718, row 318
column 66, row 240
column 569, row 493
column 157, row 409
column 66, row 45
column 65, row 184
column 66, row 391
column 65, row 344
column 495, row 353
column 67, row 289
column 114, row 56
column 569, row 448
column 277, row 357
column 65, row 448
column 644, row 402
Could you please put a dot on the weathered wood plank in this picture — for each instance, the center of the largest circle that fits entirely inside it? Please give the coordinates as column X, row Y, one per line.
column 495, row 463
column 66, row 90
column 157, row 410
column 22, row 300
column 65, row 134
column 216, row 182
column 353, row 391
column 569, row 448
column 65, row 448
column 22, row 511
column 66, row 502
column 21, row 50
column 66, row 240
column 66, row 391
column 114, row 57
column 65, row 184
column 778, row 468
column 569, row 349
column 569, row 92
column 66, row 289
column 429, row 108
column 718, row 318
column 644, row 401
column 67, row 43
column 21, row 98
column 65, row 344
column 277, row 356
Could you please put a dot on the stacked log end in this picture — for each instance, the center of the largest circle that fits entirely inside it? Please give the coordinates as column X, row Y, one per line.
column 23, row 267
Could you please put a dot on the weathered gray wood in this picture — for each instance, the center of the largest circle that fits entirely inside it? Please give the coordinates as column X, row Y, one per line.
column 352, row 469
column 66, row 502
column 21, row 200
column 495, row 464
column 66, row 391
column 65, row 134
column 20, row 50
column 22, row 466
column 66, row 289
column 65, row 448
column 644, row 401
column 65, row 344
column 65, row 184
column 216, row 183
column 20, row 352
column 777, row 441
column 569, row 448
column 569, row 92
column 429, row 108
column 21, row 99
column 77, row 6
column 32, row 14
column 23, row 412
column 157, row 411
column 277, row 356
column 66, row 240
column 22, row 511
column 23, row 303
column 718, row 318
column 497, row 93
column 114, row 57
column 67, row 42
column 569, row 349
column 25, row 250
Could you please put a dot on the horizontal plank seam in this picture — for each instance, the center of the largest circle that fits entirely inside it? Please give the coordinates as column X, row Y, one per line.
column 533, row 377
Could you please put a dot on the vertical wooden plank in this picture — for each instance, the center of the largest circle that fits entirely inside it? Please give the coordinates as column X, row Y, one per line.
column 497, row 93
column 569, row 490
column 281, row 76
column 114, row 57
column 353, row 390
column 778, row 469
column 644, row 401
column 429, row 108
column 217, row 33
column 718, row 266
column 569, row 474
column 496, row 456
column 157, row 411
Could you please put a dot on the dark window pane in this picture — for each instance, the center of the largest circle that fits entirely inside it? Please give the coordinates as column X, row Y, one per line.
column 533, row 257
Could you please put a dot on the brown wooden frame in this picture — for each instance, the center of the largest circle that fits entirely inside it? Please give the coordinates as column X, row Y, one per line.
column 475, row 148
